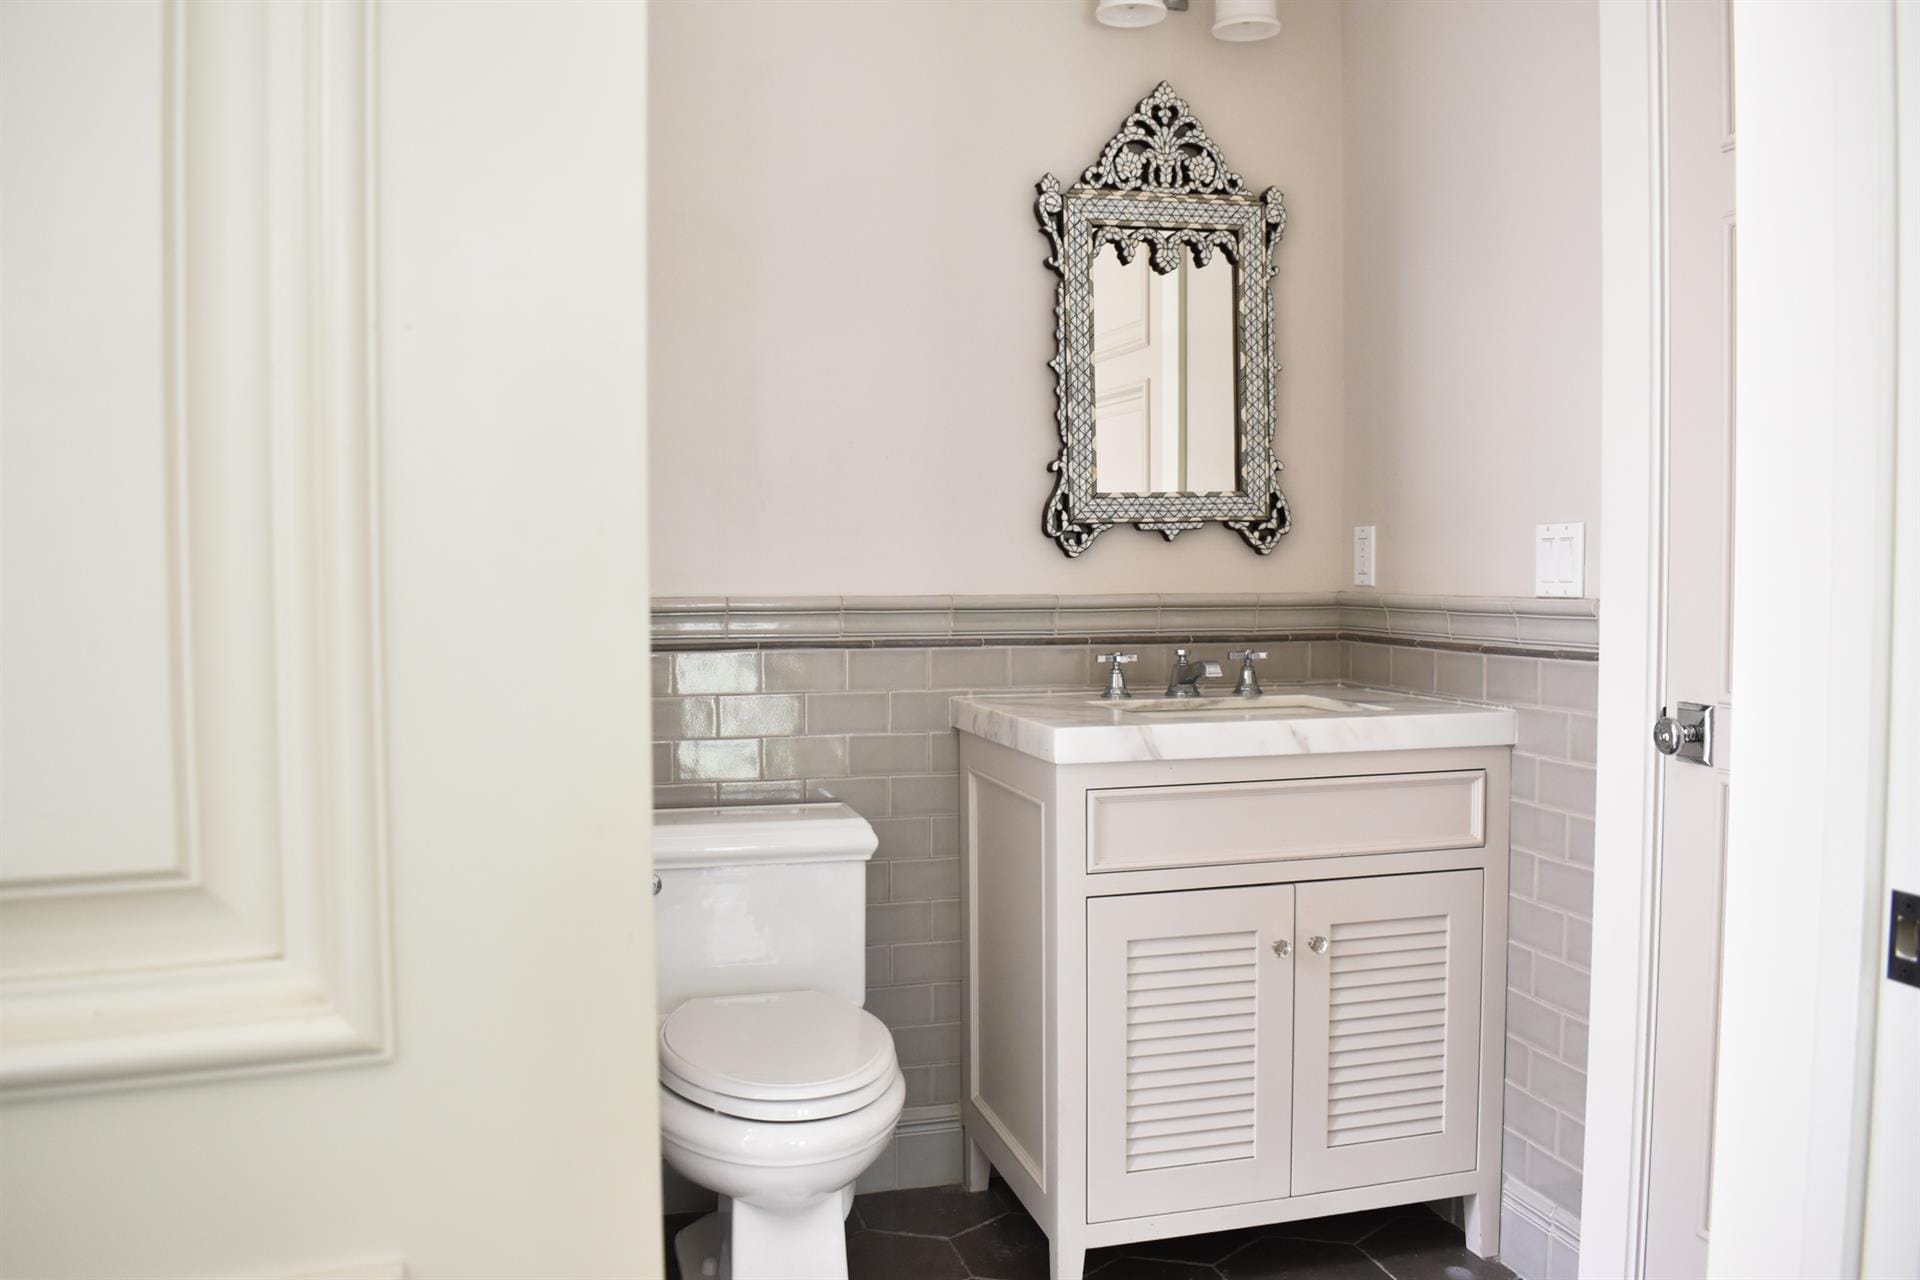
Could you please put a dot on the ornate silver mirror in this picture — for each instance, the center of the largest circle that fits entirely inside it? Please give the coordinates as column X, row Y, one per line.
column 1163, row 320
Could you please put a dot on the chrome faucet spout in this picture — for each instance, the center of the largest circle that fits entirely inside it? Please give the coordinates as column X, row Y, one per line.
column 1186, row 677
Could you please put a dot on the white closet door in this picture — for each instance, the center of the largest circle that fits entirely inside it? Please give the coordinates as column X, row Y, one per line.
column 1189, row 1019
column 323, row 534
column 1386, row 1044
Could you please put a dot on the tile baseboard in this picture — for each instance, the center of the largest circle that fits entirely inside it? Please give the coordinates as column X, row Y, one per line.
column 927, row 1150
column 1539, row 1239
column 1557, row 628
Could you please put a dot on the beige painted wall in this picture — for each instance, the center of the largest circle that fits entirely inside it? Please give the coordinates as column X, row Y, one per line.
column 1472, row 286
column 852, row 318
column 851, row 393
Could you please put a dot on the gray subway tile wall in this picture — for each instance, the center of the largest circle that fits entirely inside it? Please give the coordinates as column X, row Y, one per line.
column 1550, row 914
column 870, row 727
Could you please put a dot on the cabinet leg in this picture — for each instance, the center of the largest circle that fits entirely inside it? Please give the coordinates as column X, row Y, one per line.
column 1067, row 1260
column 1483, row 1223
column 978, row 1167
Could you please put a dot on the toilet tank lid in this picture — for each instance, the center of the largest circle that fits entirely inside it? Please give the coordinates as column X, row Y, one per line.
column 774, row 833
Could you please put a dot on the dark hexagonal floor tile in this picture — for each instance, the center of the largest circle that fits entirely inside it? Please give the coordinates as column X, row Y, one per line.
column 1011, row 1247
column 947, row 1233
column 1131, row 1267
column 878, row 1255
column 1209, row 1247
column 1339, row 1228
column 932, row 1211
column 1427, row 1247
column 1278, row 1258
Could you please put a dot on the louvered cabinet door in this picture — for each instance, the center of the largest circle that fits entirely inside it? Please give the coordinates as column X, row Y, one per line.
column 1386, row 1029
column 1189, row 1021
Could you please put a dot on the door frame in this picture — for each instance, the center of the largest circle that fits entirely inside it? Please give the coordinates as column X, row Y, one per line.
column 1891, row 1235
column 1804, row 891
column 1633, row 436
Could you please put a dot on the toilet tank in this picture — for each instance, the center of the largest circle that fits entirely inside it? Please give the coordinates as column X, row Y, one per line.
column 761, row 898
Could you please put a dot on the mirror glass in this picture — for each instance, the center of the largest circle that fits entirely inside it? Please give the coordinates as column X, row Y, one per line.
column 1164, row 417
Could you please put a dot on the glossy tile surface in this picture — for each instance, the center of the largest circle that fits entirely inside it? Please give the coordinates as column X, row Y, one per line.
column 946, row 1233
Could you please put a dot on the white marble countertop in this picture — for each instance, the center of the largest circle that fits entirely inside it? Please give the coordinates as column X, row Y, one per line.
column 1080, row 728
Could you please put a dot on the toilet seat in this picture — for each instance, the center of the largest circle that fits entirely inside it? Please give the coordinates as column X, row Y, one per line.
column 776, row 1056
column 838, row 1104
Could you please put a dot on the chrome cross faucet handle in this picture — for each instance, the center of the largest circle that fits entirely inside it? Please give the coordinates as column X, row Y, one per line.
column 1116, row 678
column 1186, row 677
column 1249, row 685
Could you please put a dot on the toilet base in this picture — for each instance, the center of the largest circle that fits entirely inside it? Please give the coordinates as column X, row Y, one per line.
column 808, row 1245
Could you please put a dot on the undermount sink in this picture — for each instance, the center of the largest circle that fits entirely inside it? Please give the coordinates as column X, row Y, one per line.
column 1308, row 703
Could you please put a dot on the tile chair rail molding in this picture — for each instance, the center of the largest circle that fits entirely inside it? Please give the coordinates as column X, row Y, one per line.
column 1566, row 628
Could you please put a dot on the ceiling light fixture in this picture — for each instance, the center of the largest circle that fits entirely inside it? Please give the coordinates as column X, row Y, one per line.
column 1245, row 19
column 1234, row 20
column 1130, row 13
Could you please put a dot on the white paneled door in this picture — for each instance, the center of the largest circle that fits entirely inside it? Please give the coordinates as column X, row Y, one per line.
column 193, row 862
column 1890, row 1242
column 324, row 923
column 1697, row 632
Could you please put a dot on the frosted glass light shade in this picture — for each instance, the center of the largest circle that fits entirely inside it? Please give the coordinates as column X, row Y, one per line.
column 1130, row 13
column 1246, row 19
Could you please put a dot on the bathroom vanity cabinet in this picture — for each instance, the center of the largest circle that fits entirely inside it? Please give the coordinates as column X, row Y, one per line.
column 1258, row 978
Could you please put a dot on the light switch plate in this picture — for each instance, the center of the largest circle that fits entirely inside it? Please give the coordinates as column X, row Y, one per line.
column 1363, row 555
column 1560, row 559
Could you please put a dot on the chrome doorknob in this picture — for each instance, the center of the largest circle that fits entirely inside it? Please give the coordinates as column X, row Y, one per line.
column 1689, row 733
column 1317, row 945
column 1282, row 948
column 1669, row 735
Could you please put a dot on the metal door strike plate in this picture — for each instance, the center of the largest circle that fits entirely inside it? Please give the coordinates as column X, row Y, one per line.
column 1903, row 939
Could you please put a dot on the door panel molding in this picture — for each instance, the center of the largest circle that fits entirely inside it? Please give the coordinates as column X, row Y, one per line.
column 266, row 946
column 110, row 222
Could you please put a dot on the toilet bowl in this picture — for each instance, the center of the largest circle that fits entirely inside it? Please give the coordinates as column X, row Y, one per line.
column 778, row 1101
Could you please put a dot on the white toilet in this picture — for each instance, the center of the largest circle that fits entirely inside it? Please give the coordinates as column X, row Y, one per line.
column 777, row 1090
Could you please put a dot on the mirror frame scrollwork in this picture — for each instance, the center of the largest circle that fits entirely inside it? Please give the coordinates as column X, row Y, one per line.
column 1161, row 184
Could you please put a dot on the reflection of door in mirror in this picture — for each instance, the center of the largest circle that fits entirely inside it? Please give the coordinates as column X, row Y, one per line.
column 1163, row 376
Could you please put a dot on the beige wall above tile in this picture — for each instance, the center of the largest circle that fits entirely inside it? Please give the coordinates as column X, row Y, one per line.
column 1472, row 354
column 851, row 316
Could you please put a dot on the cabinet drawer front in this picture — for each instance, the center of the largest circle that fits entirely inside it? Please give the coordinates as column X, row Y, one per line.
column 1138, row 828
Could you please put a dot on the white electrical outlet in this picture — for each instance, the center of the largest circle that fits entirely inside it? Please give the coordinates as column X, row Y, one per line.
column 1559, row 559
column 1363, row 555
